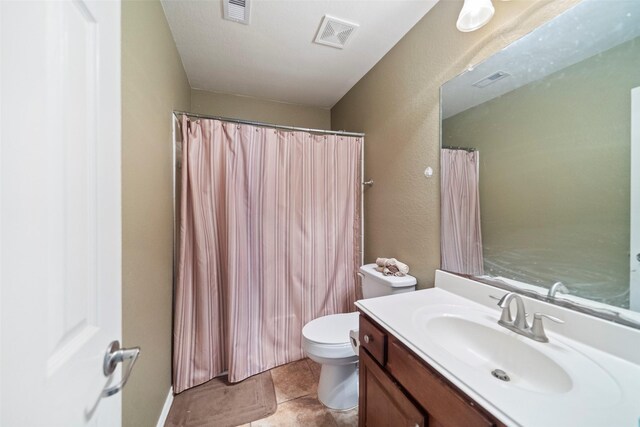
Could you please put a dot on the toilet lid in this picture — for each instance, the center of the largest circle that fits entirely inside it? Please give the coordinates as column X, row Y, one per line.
column 332, row 329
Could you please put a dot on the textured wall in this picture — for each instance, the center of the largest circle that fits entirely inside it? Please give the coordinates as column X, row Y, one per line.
column 244, row 107
column 153, row 84
column 554, row 175
column 397, row 105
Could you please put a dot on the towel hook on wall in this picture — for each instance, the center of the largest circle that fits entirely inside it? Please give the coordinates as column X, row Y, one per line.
column 368, row 183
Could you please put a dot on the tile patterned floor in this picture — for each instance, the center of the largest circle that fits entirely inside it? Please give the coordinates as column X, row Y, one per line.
column 296, row 393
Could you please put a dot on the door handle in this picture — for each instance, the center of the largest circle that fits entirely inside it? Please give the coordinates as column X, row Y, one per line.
column 112, row 357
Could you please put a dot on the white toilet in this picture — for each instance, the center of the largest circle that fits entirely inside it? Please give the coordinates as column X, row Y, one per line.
column 326, row 340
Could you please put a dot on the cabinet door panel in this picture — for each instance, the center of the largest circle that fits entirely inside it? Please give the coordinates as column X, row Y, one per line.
column 382, row 402
column 441, row 401
column 373, row 339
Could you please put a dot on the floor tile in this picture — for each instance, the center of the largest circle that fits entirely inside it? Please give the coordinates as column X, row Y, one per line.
column 293, row 380
column 315, row 368
column 345, row 418
column 301, row 412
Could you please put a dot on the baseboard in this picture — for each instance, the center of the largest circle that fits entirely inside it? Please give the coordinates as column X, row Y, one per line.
column 165, row 409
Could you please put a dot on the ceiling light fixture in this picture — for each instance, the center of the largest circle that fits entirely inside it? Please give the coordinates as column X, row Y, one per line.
column 474, row 14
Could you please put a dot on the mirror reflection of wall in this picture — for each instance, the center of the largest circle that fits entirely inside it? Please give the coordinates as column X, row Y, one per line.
column 555, row 175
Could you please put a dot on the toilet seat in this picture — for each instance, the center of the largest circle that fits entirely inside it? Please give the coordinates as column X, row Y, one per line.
column 328, row 336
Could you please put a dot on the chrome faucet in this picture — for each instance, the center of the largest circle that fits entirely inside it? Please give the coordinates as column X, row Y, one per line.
column 557, row 287
column 520, row 325
column 505, row 318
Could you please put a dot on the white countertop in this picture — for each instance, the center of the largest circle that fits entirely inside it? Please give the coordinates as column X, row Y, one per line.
column 605, row 385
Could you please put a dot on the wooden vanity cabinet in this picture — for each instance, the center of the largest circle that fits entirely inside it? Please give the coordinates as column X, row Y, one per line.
column 385, row 404
column 397, row 388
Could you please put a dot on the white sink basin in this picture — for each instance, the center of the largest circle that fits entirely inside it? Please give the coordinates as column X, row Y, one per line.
column 488, row 349
column 472, row 343
column 564, row 382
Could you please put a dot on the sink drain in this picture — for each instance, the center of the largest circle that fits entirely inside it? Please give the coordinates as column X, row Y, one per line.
column 500, row 374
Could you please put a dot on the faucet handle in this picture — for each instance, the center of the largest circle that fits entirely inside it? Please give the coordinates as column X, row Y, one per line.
column 537, row 328
column 539, row 316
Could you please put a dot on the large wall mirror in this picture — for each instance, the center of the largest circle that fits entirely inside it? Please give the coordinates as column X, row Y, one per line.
column 541, row 161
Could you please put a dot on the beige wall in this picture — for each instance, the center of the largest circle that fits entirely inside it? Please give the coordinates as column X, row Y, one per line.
column 554, row 175
column 397, row 105
column 244, row 107
column 153, row 84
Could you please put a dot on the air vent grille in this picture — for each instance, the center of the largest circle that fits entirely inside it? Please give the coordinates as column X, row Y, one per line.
column 237, row 10
column 335, row 32
column 498, row 75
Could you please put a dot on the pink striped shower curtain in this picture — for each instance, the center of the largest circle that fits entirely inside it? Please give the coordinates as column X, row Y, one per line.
column 269, row 240
column 461, row 237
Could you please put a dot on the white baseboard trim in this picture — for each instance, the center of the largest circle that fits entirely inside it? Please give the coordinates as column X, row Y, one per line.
column 165, row 409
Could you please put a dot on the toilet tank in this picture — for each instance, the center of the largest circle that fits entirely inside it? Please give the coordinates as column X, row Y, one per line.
column 376, row 284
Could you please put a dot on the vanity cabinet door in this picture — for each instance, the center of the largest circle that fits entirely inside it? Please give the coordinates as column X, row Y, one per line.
column 382, row 402
column 446, row 406
column 373, row 339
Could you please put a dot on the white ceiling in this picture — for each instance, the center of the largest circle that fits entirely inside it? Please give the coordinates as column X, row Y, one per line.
column 274, row 57
column 591, row 27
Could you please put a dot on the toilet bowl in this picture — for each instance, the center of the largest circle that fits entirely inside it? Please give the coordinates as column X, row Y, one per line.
column 326, row 340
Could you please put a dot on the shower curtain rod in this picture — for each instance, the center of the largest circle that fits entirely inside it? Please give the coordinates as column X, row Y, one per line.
column 270, row 125
column 471, row 150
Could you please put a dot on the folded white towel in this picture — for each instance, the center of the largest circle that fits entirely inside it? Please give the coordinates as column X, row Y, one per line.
column 392, row 267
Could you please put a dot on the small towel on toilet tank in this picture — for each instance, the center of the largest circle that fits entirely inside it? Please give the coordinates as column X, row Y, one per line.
column 391, row 267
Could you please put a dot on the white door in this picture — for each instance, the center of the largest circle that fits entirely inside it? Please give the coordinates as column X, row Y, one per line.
column 634, row 261
column 59, row 211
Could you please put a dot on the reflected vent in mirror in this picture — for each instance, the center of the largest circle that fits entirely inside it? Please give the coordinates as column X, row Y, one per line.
column 498, row 75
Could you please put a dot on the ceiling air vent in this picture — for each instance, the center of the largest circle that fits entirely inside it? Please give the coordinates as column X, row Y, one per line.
column 237, row 10
column 498, row 75
column 335, row 32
